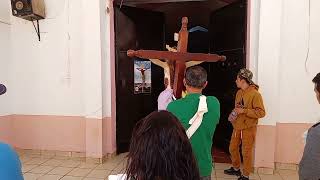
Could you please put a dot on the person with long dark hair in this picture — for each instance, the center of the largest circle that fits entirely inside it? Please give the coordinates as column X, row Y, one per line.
column 160, row 150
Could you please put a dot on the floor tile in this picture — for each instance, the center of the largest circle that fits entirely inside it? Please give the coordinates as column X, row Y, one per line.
column 50, row 177
column 79, row 172
column 25, row 159
column 71, row 178
column 254, row 176
column 287, row 172
column 31, row 176
column 60, row 171
column 121, row 168
column 41, row 169
column 99, row 173
column 37, row 161
column 107, row 166
column 290, row 177
column 84, row 165
column 61, row 157
column 70, row 163
column 53, row 162
column 270, row 177
column 26, row 167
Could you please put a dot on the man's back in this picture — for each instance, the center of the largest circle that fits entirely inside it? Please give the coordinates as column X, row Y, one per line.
column 201, row 140
column 309, row 167
column 10, row 166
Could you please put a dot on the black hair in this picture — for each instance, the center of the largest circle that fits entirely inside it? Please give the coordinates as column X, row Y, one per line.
column 160, row 149
column 316, row 81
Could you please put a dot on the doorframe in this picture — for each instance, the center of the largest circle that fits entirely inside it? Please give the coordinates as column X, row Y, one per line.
column 252, row 38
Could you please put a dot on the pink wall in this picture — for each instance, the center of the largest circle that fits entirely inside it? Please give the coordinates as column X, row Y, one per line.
column 5, row 129
column 282, row 143
column 108, row 136
column 96, row 137
column 265, row 146
column 61, row 133
column 290, row 144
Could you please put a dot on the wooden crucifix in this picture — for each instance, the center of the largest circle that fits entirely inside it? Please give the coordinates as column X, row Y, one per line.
column 177, row 60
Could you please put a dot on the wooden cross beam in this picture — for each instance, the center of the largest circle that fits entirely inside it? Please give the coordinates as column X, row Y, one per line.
column 179, row 58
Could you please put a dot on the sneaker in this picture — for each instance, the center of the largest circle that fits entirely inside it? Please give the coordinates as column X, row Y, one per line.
column 232, row 171
column 243, row 178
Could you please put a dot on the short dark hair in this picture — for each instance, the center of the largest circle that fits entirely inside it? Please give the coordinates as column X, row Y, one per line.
column 316, row 81
column 196, row 76
column 160, row 149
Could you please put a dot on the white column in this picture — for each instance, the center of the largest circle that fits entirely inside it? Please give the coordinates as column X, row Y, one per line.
column 92, row 59
column 268, row 70
column 92, row 76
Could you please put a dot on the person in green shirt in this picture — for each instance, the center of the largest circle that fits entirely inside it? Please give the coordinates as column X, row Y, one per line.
column 186, row 108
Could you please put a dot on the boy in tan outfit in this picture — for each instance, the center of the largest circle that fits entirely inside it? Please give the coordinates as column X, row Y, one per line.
column 248, row 109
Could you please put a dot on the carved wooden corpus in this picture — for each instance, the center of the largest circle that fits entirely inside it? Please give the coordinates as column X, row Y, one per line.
column 180, row 66
column 180, row 57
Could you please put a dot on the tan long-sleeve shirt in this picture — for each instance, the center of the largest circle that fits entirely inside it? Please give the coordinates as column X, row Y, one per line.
column 252, row 103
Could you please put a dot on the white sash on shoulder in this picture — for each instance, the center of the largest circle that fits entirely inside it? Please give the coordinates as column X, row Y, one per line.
column 196, row 120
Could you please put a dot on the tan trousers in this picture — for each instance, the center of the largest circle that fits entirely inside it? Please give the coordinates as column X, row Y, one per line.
column 247, row 137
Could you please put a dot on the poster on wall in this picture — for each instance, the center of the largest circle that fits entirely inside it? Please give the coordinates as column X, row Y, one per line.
column 142, row 77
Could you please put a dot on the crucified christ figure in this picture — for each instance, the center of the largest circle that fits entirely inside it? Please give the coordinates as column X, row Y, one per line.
column 176, row 60
column 168, row 67
column 142, row 69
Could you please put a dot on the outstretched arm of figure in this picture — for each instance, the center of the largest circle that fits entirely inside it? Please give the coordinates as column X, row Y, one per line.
column 170, row 49
column 193, row 63
column 159, row 63
column 166, row 70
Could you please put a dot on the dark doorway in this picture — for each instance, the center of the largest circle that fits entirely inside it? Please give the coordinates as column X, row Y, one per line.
column 135, row 29
column 151, row 26
column 227, row 37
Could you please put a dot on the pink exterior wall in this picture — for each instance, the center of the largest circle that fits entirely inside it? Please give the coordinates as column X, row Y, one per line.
column 5, row 129
column 282, row 143
column 109, row 135
column 265, row 146
column 61, row 133
column 290, row 144
column 96, row 137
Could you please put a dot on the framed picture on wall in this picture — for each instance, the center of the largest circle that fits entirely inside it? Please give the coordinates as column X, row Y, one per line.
column 142, row 77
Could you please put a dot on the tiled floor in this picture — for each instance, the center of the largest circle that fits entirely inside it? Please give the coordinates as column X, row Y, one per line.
column 65, row 168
